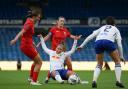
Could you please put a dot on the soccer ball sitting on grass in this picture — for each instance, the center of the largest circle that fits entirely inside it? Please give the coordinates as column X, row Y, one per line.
column 73, row 79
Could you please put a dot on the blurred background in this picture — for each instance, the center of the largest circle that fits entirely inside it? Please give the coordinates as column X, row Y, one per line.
column 82, row 18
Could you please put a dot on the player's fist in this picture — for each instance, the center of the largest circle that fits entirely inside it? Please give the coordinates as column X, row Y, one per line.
column 12, row 42
column 123, row 60
column 39, row 35
column 79, row 48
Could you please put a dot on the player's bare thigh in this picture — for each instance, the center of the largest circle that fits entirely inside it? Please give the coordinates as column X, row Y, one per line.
column 99, row 58
column 115, row 56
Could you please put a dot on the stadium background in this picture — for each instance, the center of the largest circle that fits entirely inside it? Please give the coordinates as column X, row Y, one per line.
column 83, row 16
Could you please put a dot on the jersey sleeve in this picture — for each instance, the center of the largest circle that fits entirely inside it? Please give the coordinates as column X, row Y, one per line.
column 68, row 33
column 51, row 31
column 118, row 35
column 72, row 50
column 48, row 51
column 90, row 37
column 27, row 27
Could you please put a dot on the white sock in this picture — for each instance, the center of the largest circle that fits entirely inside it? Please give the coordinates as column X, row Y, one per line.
column 118, row 72
column 58, row 78
column 96, row 73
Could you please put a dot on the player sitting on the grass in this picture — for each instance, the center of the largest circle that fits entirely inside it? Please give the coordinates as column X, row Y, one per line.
column 57, row 59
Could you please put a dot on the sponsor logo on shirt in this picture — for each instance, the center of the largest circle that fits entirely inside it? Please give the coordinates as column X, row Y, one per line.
column 55, row 57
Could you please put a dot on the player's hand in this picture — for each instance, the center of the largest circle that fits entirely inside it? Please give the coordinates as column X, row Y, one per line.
column 79, row 48
column 38, row 45
column 77, row 37
column 12, row 42
column 123, row 60
column 39, row 35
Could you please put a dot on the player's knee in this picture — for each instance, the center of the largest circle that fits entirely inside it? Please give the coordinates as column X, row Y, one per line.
column 40, row 62
column 117, row 62
column 70, row 73
column 99, row 66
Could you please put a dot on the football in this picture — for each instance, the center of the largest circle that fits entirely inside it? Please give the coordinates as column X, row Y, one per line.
column 73, row 79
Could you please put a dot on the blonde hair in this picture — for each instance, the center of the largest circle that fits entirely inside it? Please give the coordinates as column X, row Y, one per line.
column 63, row 46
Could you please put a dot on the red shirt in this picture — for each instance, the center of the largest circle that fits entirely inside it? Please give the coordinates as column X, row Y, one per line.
column 59, row 35
column 26, row 38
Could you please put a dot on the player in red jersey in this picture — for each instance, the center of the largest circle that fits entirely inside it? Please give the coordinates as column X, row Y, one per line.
column 27, row 45
column 58, row 34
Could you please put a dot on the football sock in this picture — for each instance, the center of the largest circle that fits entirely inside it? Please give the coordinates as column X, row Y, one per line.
column 32, row 69
column 118, row 72
column 35, row 76
column 58, row 78
column 96, row 72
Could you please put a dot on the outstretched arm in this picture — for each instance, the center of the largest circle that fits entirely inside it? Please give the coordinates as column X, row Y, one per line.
column 90, row 37
column 73, row 37
column 45, row 38
column 73, row 49
column 48, row 51
column 12, row 42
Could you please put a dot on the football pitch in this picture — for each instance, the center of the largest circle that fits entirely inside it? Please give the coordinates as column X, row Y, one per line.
column 18, row 80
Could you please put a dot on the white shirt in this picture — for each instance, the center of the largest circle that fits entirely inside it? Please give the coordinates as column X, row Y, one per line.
column 57, row 60
column 108, row 32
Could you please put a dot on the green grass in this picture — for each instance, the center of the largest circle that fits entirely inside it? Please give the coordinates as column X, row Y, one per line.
column 18, row 80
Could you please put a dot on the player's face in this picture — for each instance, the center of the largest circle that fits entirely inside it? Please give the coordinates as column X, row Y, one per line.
column 37, row 18
column 61, row 22
column 59, row 49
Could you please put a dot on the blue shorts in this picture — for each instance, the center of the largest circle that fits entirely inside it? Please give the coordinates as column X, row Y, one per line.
column 104, row 45
column 63, row 74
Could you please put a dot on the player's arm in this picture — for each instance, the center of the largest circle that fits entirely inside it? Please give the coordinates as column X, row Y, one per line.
column 12, row 42
column 45, row 38
column 90, row 37
column 73, row 47
column 73, row 37
column 119, row 43
column 48, row 51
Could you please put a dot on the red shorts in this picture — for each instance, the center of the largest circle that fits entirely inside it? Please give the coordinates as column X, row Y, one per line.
column 29, row 51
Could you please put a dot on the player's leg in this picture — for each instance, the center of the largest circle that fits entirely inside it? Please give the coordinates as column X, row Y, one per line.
column 47, row 78
column 31, row 72
column 56, row 76
column 68, row 63
column 70, row 73
column 31, row 52
column 116, row 58
column 99, row 58
column 38, row 62
column 99, row 49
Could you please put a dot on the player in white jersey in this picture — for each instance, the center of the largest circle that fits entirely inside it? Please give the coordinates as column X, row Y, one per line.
column 105, row 38
column 57, row 59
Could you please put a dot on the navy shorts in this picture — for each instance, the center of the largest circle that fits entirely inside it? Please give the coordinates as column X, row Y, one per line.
column 63, row 73
column 104, row 45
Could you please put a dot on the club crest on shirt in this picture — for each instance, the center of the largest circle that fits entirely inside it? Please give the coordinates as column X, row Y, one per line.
column 65, row 33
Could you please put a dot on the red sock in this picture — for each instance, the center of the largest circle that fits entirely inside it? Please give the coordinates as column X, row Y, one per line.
column 31, row 71
column 48, row 75
column 35, row 76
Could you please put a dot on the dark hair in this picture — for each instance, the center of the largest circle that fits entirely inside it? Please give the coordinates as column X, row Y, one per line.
column 32, row 13
column 110, row 20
